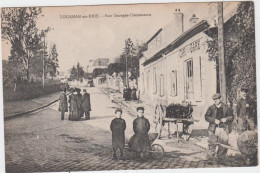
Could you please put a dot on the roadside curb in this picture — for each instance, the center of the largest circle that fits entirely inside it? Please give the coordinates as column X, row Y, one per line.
column 29, row 111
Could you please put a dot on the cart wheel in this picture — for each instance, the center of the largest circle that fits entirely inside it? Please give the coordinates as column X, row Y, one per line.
column 157, row 151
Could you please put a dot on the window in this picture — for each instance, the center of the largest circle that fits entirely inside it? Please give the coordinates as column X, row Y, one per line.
column 174, row 83
column 147, row 80
column 154, row 81
column 188, row 79
column 161, row 85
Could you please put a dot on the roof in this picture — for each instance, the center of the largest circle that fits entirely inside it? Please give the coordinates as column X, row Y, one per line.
column 158, row 32
column 199, row 27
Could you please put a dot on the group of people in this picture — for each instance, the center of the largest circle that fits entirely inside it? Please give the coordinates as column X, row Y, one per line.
column 78, row 104
column 220, row 118
column 129, row 93
column 139, row 142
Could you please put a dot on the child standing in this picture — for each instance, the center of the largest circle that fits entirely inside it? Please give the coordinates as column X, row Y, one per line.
column 118, row 127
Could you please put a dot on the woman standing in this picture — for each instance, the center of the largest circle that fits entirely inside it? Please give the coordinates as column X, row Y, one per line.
column 63, row 106
column 73, row 106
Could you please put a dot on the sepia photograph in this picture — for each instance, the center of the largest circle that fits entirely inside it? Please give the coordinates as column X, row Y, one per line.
column 129, row 86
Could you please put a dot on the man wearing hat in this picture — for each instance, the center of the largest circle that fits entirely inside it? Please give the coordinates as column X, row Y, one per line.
column 140, row 140
column 246, row 112
column 86, row 104
column 219, row 117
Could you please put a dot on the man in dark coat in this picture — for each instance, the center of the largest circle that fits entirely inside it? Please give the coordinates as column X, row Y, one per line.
column 219, row 117
column 63, row 106
column 118, row 127
column 126, row 93
column 139, row 142
column 86, row 104
column 133, row 93
column 246, row 112
column 79, row 102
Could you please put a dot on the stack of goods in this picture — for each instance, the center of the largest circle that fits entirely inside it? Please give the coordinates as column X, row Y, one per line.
column 179, row 111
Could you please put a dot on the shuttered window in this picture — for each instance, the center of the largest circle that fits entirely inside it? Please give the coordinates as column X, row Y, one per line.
column 188, row 79
column 174, row 83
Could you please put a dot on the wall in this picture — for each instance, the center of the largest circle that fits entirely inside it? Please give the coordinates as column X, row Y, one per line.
column 204, row 76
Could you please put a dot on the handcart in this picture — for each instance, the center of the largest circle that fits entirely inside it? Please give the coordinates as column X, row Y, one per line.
column 160, row 120
column 156, row 151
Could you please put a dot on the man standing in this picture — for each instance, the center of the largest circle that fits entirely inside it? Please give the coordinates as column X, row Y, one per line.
column 63, row 106
column 86, row 104
column 219, row 117
column 246, row 112
column 140, row 140
column 118, row 127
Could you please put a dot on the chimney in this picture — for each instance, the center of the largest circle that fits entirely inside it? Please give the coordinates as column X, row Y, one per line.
column 194, row 20
column 178, row 20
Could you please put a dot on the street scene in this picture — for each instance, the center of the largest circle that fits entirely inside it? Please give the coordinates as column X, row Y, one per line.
column 115, row 87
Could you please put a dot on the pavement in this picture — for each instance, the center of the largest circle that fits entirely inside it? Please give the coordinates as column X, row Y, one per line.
column 41, row 142
column 18, row 107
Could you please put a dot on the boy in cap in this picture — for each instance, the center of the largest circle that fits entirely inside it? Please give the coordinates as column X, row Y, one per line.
column 140, row 140
column 246, row 112
column 219, row 117
column 118, row 127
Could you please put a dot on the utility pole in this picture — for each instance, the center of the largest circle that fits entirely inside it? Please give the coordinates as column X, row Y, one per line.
column 126, row 68
column 43, row 68
column 221, row 55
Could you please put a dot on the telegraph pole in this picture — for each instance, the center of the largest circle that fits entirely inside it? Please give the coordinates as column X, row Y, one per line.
column 221, row 55
column 43, row 68
column 126, row 68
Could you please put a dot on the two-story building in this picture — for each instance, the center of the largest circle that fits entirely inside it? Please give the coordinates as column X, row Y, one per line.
column 176, row 67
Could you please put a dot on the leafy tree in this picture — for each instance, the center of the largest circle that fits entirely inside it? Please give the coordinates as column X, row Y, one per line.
column 19, row 28
column 98, row 71
column 114, row 68
column 240, row 59
column 132, row 52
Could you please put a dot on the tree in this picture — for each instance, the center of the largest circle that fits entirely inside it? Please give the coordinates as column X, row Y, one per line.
column 19, row 28
column 98, row 71
column 73, row 73
column 115, row 68
column 77, row 73
column 80, row 72
column 240, row 59
column 132, row 52
column 52, row 62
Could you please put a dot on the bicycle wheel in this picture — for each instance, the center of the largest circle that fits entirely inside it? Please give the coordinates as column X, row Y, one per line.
column 157, row 151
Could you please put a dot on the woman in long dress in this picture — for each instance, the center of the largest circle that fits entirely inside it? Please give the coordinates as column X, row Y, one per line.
column 73, row 107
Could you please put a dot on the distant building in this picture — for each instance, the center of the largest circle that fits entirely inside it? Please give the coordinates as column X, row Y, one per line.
column 97, row 63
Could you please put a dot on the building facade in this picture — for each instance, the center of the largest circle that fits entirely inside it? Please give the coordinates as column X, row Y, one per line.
column 178, row 70
column 97, row 63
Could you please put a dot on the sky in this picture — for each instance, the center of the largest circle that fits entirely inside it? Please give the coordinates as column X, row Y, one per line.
column 82, row 39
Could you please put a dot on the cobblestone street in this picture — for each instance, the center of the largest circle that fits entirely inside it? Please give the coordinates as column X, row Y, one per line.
column 42, row 142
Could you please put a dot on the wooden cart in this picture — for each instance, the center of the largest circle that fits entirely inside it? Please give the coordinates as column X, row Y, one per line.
column 160, row 120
